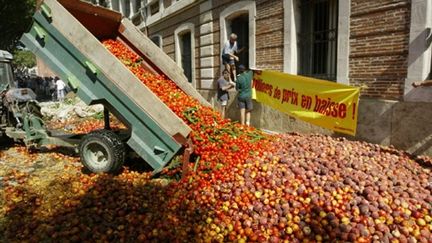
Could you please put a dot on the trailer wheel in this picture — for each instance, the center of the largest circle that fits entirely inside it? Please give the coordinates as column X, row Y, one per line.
column 102, row 151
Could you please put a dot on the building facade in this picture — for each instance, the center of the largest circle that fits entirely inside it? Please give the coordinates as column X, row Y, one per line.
column 382, row 46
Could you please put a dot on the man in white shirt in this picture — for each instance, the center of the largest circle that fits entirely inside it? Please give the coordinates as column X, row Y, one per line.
column 60, row 86
column 229, row 57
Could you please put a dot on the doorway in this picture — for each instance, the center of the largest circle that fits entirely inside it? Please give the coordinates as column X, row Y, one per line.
column 240, row 26
column 186, row 54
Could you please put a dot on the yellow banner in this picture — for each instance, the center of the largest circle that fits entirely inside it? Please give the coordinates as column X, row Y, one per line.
column 323, row 103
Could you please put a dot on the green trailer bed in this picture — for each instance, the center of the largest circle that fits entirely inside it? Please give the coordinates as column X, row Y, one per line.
column 67, row 36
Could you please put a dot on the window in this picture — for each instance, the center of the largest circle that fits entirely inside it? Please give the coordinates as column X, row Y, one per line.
column 137, row 5
column 317, row 40
column 157, row 39
column 154, row 8
column 186, row 54
column 184, row 42
column 103, row 3
column 127, row 9
column 428, row 44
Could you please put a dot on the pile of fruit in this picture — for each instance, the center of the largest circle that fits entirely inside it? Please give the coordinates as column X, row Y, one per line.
column 244, row 186
column 83, row 125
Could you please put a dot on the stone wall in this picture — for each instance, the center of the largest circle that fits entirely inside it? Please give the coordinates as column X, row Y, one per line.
column 206, row 19
column 405, row 125
column 379, row 47
column 378, row 62
column 269, row 35
column 379, row 41
column 167, row 27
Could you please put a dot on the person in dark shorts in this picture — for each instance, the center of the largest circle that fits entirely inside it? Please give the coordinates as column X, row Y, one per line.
column 244, row 99
column 223, row 86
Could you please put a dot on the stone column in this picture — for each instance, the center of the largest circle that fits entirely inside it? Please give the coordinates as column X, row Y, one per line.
column 134, row 6
column 122, row 7
column 419, row 53
column 342, row 62
column 290, row 37
column 206, row 51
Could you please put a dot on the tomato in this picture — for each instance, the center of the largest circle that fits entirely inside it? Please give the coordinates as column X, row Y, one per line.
column 213, row 137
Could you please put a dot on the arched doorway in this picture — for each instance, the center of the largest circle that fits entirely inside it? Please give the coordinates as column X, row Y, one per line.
column 184, row 38
column 240, row 26
column 236, row 17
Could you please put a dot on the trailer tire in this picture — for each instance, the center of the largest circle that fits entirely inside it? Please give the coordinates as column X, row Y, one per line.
column 102, row 151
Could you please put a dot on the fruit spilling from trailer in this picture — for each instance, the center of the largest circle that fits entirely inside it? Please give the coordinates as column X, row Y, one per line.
column 243, row 186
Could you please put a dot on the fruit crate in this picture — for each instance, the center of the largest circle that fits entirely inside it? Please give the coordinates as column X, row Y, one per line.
column 67, row 35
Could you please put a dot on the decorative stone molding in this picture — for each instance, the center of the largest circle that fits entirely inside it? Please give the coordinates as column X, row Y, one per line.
column 343, row 42
column 419, row 54
column 291, row 28
column 290, row 36
column 169, row 11
column 184, row 28
column 206, row 46
column 160, row 39
column 232, row 11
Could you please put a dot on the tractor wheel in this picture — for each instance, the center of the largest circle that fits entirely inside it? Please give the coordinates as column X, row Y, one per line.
column 102, row 151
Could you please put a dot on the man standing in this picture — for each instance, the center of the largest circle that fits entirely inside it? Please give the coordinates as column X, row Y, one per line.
column 244, row 88
column 60, row 86
column 223, row 86
column 229, row 55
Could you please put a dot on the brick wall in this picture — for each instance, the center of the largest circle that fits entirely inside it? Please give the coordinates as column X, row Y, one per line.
column 379, row 46
column 269, row 34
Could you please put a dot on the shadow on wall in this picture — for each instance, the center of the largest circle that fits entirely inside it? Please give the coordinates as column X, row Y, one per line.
column 374, row 121
column 405, row 125
column 267, row 118
column 422, row 42
column 234, row 112
column 411, row 127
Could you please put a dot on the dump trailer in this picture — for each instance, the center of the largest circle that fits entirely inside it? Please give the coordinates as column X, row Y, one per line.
column 67, row 36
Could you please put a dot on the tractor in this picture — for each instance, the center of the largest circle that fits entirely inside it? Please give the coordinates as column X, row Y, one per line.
column 18, row 108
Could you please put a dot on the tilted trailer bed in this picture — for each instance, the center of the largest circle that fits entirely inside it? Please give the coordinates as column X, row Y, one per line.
column 67, row 36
